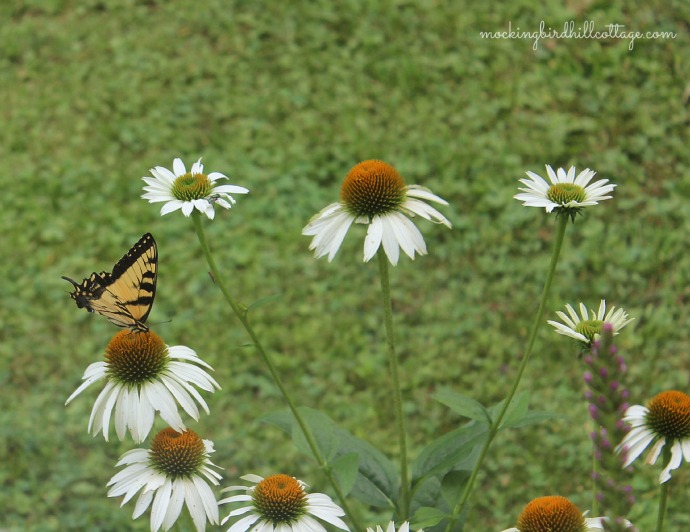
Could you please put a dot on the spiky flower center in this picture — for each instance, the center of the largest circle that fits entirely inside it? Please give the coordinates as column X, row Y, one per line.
column 279, row 499
column 551, row 514
column 589, row 328
column 135, row 358
column 188, row 187
column 669, row 415
column 177, row 454
column 564, row 193
column 372, row 187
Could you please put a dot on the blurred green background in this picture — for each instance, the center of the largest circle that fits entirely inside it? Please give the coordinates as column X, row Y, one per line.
column 284, row 97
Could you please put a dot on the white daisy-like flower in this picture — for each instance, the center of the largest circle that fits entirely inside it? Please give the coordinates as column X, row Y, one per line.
column 144, row 376
column 586, row 327
column 566, row 193
column 405, row 527
column 666, row 420
column 556, row 513
column 374, row 193
column 191, row 190
column 175, row 470
column 280, row 503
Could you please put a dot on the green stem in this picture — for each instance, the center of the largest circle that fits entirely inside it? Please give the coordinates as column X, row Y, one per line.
column 595, row 473
column 495, row 425
column 241, row 313
column 397, row 393
column 663, row 492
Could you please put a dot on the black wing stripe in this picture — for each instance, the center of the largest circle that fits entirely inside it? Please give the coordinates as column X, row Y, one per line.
column 126, row 295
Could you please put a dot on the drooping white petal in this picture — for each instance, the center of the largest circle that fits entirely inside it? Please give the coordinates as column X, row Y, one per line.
column 172, row 206
column 143, row 502
column 160, row 505
column 164, row 402
column 373, row 238
column 674, row 463
column 389, row 239
column 93, row 373
column 243, row 524
column 174, row 505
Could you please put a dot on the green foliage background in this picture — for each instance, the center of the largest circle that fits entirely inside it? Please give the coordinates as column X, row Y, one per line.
column 284, row 97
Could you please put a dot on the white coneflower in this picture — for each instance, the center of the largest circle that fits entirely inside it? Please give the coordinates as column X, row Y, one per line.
column 280, row 503
column 405, row 527
column 665, row 421
column 586, row 328
column 143, row 375
column 555, row 513
column 374, row 193
column 566, row 193
column 191, row 190
column 175, row 470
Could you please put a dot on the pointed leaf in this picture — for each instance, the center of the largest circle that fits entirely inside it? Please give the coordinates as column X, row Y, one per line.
column 427, row 517
column 451, row 449
column 453, row 486
column 346, row 468
column 264, row 301
column 322, row 429
column 517, row 409
column 533, row 417
column 463, row 405
column 377, row 481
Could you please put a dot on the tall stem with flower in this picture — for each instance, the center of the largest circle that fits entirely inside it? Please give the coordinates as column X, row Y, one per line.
column 397, row 392
column 665, row 425
column 566, row 195
column 195, row 193
column 374, row 193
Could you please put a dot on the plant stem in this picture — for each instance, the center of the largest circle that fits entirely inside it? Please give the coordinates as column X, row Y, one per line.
column 595, row 471
column 496, row 424
column 663, row 492
column 404, row 510
column 241, row 313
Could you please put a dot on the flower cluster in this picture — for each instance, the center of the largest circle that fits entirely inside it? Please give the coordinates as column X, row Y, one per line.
column 144, row 376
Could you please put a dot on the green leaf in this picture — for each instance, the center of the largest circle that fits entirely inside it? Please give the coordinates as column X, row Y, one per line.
column 425, row 493
column 453, row 486
column 463, row 405
column 264, row 301
column 346, row 469
column 451, row 449
column 518, row 408
column 322, row 429
column 377, row 481
column 533, row 417
column 427, row 517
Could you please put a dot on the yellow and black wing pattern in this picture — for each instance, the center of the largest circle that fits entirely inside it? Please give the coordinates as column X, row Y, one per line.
column 124, row 296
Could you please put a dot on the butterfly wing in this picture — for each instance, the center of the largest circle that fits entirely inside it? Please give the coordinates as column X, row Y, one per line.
column 126, row 295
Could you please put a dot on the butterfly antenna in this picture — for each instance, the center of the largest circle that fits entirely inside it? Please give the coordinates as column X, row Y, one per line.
column 71, row 281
